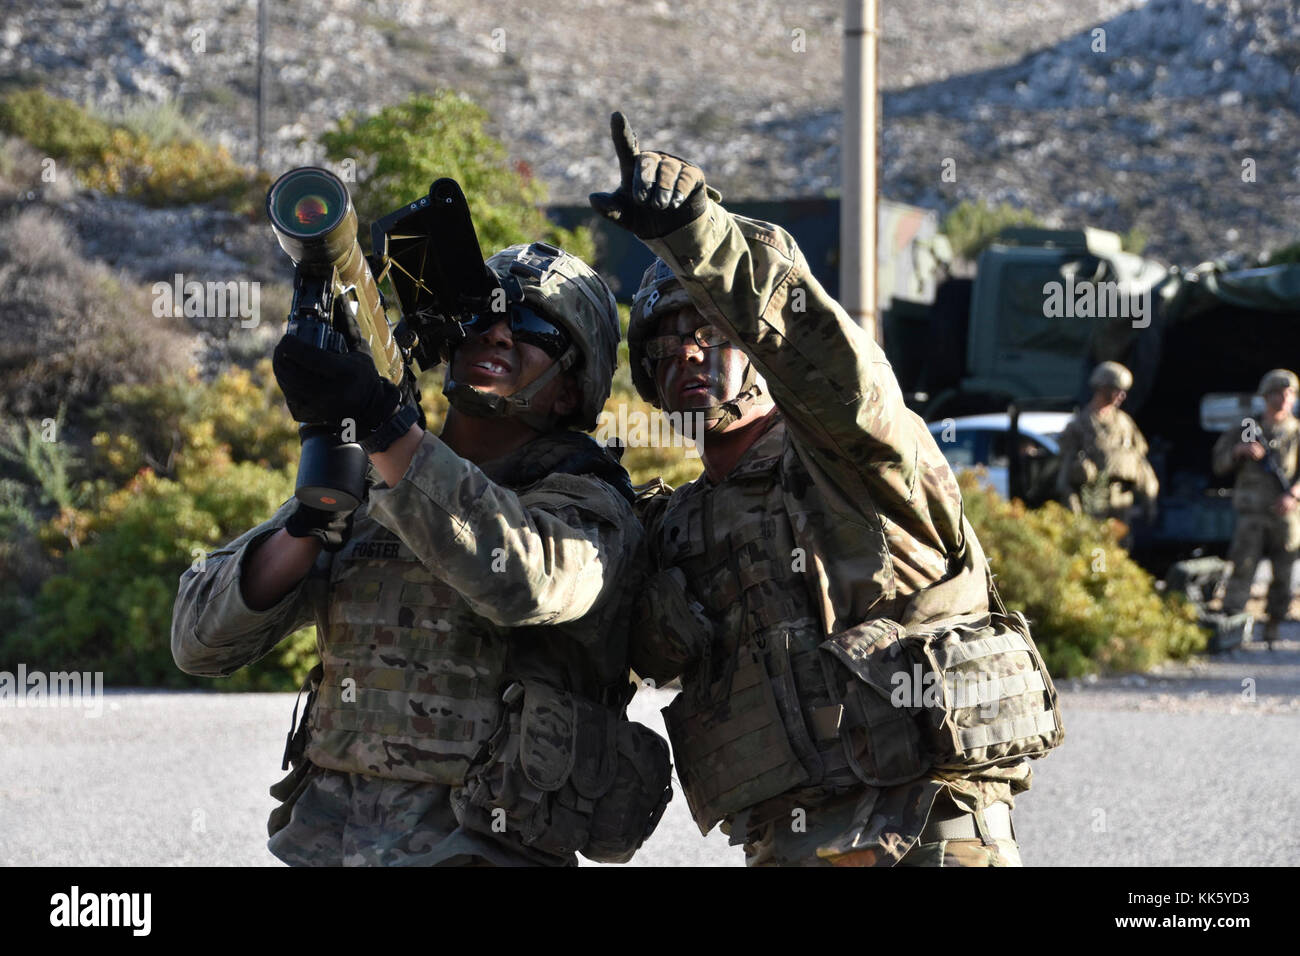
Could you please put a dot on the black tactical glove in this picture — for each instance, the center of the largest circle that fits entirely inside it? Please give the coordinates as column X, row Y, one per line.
column 331, row 528
column 328, row 387
column 659, row 193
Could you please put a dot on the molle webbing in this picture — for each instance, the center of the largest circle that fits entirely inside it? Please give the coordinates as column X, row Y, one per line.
column 412, row 675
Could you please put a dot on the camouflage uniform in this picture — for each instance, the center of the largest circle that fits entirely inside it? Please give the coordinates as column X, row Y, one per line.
column 1260, row 531
column 1104, row 469
column 842, row 511
column 455, row 583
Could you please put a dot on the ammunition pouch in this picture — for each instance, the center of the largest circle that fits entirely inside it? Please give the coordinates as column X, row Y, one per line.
column 567, row 775
column 882, row 739
column 964, row 695
column 1126, row 465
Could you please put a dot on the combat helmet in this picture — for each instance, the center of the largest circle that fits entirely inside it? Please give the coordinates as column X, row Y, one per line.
column 659, row 294
column 1278, row 378
column 564, row 289
column 1111, row 375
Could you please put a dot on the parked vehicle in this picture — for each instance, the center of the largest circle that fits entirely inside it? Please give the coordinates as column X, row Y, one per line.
column 1197, row 347
column 988, row 441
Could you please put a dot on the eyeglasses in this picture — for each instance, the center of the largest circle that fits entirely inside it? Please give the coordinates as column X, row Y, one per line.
column 666, row 346
column 525, row 326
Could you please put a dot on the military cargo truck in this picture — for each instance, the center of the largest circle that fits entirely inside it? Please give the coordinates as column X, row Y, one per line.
column 992, row 340
column 1046, row 306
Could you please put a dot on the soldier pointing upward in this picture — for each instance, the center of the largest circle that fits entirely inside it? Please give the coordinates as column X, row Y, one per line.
column 826, row 521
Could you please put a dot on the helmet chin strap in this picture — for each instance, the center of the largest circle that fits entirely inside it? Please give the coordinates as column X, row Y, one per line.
column 721, row 416
column 477, row 403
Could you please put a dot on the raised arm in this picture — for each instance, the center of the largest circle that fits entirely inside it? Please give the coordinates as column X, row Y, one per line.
column 828, row 377
column 546, row 555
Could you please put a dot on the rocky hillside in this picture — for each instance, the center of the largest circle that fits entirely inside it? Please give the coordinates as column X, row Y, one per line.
column 1145, row 124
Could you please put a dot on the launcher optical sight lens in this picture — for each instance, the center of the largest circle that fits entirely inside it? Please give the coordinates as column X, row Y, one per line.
column 310, row 211
column 312, row 216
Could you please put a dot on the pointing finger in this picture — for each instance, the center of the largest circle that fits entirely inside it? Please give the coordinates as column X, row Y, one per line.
column 624, row 145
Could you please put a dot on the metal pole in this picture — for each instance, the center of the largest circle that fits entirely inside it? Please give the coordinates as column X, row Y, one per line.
column 261, row 82
column 858, row 216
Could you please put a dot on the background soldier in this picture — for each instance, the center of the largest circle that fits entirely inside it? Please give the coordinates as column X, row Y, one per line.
column 1264, row 457
column 495, row 556
column 1104, row 469
column 825, row 507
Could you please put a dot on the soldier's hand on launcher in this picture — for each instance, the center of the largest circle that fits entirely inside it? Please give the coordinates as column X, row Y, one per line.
column 331, row 528
column 658, row 192
column 328, row 387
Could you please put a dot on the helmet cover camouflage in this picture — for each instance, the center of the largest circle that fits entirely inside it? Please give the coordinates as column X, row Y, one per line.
column 1276, row 380
column 1111, row 375
column 566, row 290
column 660, row 293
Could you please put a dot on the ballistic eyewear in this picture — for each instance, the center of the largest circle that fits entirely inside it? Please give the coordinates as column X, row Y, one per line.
column 525, row 326
column 666, row 346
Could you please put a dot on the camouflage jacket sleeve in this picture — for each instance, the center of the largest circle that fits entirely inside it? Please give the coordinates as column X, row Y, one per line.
column 1222, row 458
column 1068, row 448
column 545, row 555
column 1073, row 470
column 1148, row 485
column 214, row 633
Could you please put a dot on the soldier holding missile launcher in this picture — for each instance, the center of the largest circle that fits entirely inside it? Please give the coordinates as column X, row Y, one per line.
column 469, row 591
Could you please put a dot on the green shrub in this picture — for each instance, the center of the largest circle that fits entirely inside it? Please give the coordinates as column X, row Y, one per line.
column 49, row 463
column 109, row 606
column 972, row 226
column 119, row 159
column 1285, row 256
column 146, row 425
column 403, row 148
column 59, row 127
column 24, row 565
column 159, row 121
column 1092, row 609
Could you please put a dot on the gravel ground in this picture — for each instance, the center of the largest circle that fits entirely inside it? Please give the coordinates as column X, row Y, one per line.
column 1175, row 768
